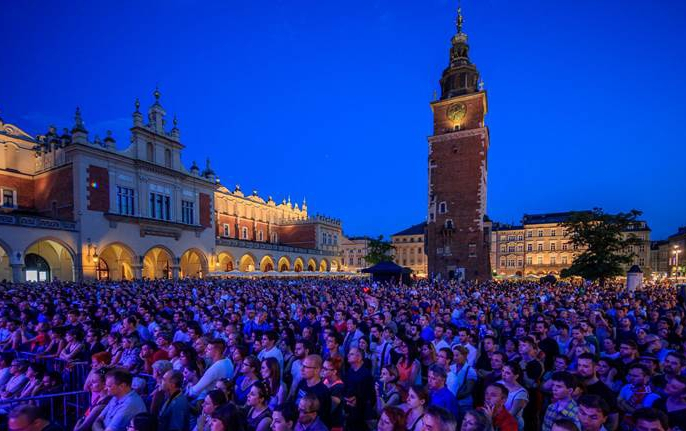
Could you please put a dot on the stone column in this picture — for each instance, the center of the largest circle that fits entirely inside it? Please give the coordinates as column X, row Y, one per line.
column 175, row 272
column 137, row 271
column 17, row 272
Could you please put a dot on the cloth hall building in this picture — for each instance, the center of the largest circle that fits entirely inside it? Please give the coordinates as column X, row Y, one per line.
column 75, row 208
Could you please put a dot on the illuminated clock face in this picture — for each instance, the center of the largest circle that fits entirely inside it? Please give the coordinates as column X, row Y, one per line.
column 457, row 112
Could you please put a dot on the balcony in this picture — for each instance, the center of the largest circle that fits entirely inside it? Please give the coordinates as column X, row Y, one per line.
column 230, row 242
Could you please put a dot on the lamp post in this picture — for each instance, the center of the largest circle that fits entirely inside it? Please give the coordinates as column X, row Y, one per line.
column 676, row 253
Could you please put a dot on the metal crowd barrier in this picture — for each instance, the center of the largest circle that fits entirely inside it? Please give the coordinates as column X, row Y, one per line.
column 64, row 408
column 73, row 373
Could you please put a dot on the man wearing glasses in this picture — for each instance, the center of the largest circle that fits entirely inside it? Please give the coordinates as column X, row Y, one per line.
column 124, row 405
column 308, row 420
column 311, row 383
column 28, row 418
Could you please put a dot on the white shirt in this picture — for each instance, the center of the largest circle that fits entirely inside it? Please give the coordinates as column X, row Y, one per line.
column 222, row 369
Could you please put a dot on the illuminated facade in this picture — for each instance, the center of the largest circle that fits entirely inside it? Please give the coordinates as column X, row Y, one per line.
column 75, row 208
column 353, row 251
column 409, row 249
column 540, row 246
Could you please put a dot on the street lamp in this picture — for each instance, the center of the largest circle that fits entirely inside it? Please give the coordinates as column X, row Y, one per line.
column 676, row 253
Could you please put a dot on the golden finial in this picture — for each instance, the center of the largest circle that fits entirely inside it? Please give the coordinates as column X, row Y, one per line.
column 459, row 19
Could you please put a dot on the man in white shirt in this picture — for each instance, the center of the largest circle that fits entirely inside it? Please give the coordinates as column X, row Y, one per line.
column 221, row 368
column 466, row 342
column 269, row 349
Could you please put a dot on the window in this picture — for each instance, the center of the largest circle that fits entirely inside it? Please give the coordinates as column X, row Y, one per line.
column 449, row 224
column 520, row 237
column 8, row 198
column 187, row 212
column 529, row 233
column 227, row 232
column 167, row 158
column 520, row 248
column 335, row 240
column 540, row 260
column 520, row 263
column 564, row 260
column 244, row 233
column 502, row 262
column 529, row 247
column 442, row 208
column 419, row 250
column 160, row 206
column 261, row 236
column 529, row 260
column 540, row 232
column 553, row 232
column 540, row 246
column 511, row 249
column 125, row 200
column 552, row 246
column 503, row 249
column 565, row 246
column 150, row 152
column 359, row 261
column 553, row 260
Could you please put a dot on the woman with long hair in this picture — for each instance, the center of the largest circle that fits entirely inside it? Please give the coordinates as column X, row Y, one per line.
column 331, row 373
column 74, row 345
column 363, row 346
column 214, row 400
column 249, row 368
column 427, row 357
column 174, row 352
column 391, row 419
column 408, row 366
column 517, row 397
column 114, row 347
column 259, row 416
column 99, row 398
column 271, row 375
column 227, row 418
column 475, row 420
column 386, row 390
column 417, row 400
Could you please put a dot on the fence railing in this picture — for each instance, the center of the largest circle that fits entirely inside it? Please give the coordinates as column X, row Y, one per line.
column 64, row 408
column 73, row 373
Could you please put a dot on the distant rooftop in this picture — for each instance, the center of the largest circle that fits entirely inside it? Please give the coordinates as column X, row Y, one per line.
column 417, row 229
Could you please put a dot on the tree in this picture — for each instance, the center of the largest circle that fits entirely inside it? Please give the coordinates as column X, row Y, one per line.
column 605, row 247
column 379, row 251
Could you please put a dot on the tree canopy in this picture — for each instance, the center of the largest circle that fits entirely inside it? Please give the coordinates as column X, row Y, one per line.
column 604, row 243
column 379, row 251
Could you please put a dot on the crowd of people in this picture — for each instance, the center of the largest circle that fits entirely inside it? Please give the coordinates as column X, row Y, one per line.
column 344, row 354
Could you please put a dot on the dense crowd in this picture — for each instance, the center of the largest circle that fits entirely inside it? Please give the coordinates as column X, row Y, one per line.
column 340, row 354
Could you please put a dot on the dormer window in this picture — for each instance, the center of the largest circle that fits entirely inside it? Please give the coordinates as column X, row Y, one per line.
column 167, row 158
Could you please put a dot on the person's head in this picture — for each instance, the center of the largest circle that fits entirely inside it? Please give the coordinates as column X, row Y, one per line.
column 649, row 419
column 100, row 360
column 511, row 372
column 250, row 366
column 496, row 395
column 258, row 394
column 331, row 369
column 227, row 418
column 586, row 366
column 527, row 346
column 563, row 385
column 213, row 400
column 311, row 367
column 438, row 419
column 172, row 381
column 118, row 383
column 417, row 397
column 564, row 424
column 593, row 412
column 444, row 357
column 638, row 375
column 676, row 387
column 308, row 406
column 355, row 358
column 392, row 418
column 302, row 349
column 474, row 420
column 497, row 361
column 142, row 422
column 389, row 374
column 270, row 371
column 26, row 417
column 215, row 349
column 284, row 417
column 628, row 349
column 269, row 339
column 437, row 377
column 333, row 342
column 673, row 363
column 96, row 383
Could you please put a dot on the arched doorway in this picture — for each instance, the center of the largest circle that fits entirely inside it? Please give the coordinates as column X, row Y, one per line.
column 311, row 265
column 298, row 265
column 56, row 261
column 247, row 263
column 5, row 268
column 116, row 262
column 334, row 266
column 284, row 264
column 193, row 264
column 225, row 262
column 267, row 264
column 323, row 266
column 158, row 263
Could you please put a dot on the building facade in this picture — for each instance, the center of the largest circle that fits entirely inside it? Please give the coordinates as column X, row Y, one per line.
column 353, row 251
column 668, row 256
column 77, row 208
column 457, row 244
column 408, row 249
column 540, row 246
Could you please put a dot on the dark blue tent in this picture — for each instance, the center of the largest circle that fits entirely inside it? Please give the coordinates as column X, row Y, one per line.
column 389, row 271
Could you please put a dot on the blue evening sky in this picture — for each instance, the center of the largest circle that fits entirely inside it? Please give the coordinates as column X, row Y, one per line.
column 330, row 100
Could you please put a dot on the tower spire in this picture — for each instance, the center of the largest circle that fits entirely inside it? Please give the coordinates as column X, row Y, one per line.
column 459, row 19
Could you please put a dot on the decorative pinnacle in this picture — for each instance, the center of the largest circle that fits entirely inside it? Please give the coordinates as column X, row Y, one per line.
column 138, row 104
column 460, row 20
column 157, row 93
column 175, row 121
